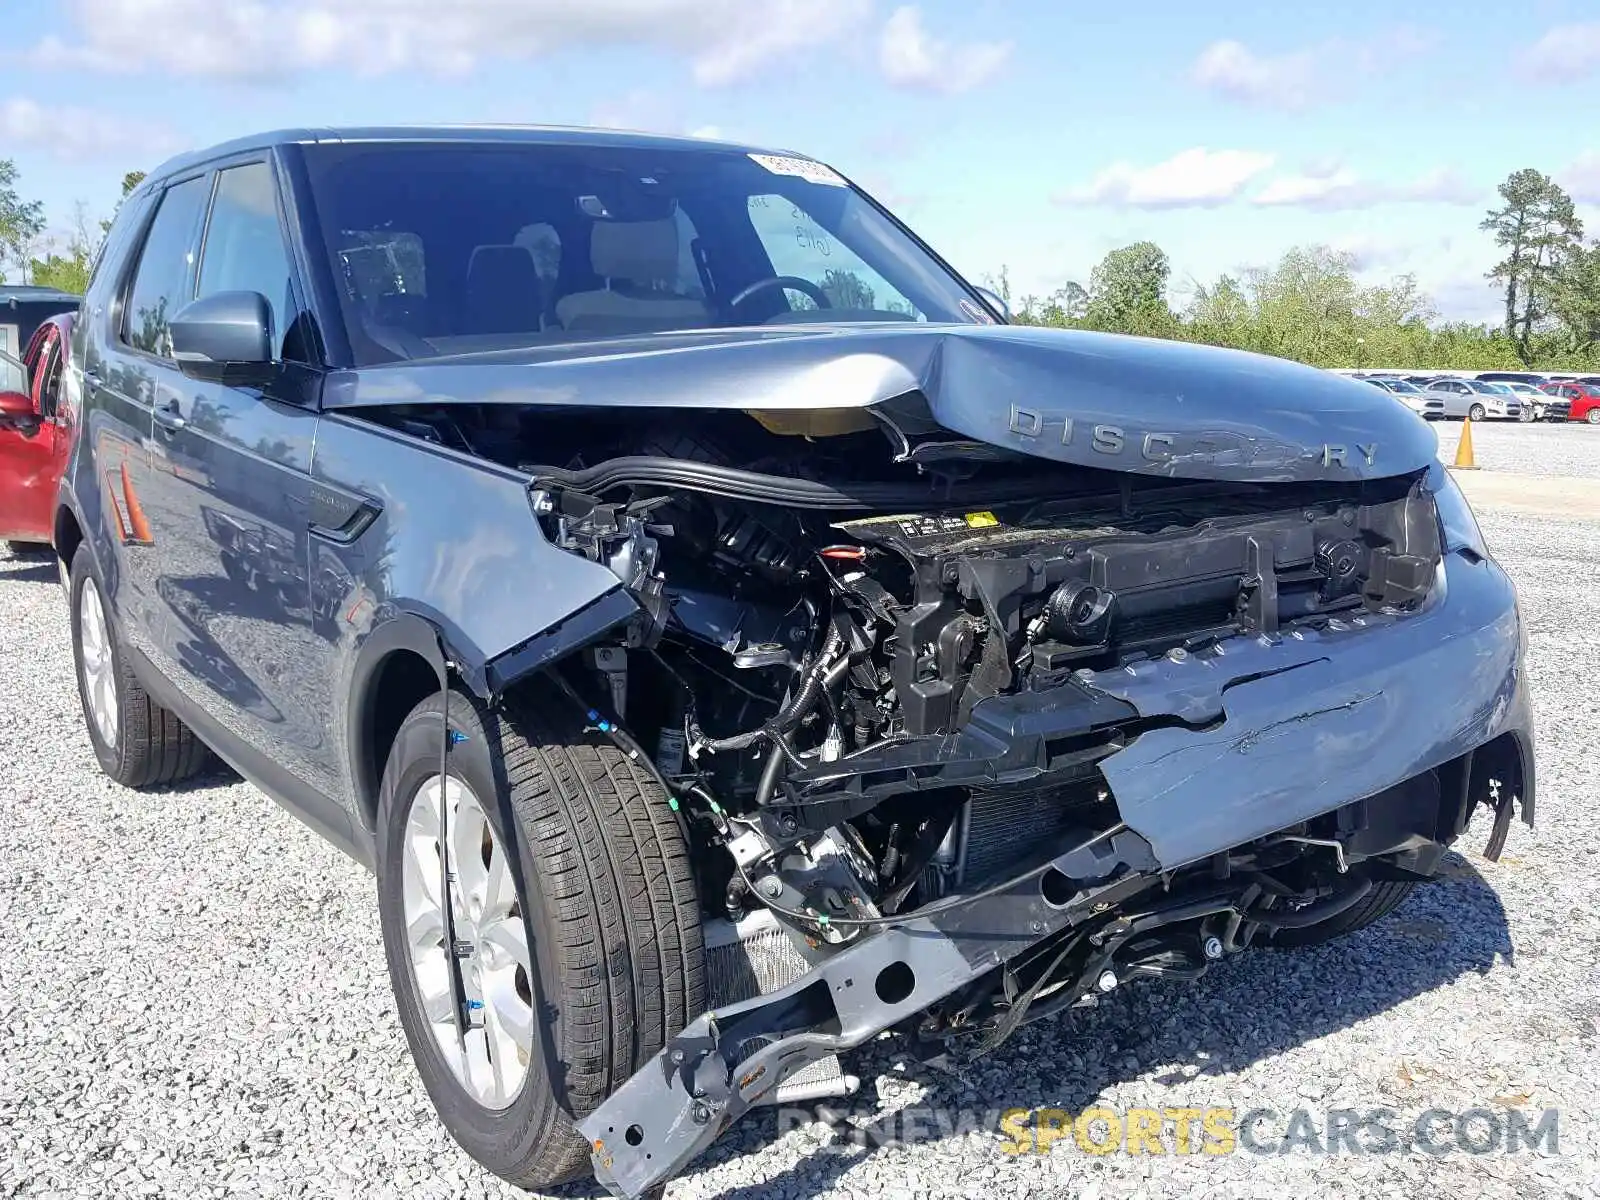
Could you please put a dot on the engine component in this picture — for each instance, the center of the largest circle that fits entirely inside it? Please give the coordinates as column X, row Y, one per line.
column 1079, row 613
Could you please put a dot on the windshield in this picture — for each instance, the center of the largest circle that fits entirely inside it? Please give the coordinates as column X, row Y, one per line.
column 1400, row 385
column 441, row 248
column 1498, row 389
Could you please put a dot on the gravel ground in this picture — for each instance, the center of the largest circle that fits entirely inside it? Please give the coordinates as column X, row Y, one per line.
column 193, row 1001
column 1543, row 449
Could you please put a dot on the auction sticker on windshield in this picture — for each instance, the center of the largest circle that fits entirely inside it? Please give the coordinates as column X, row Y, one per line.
column 804, row 168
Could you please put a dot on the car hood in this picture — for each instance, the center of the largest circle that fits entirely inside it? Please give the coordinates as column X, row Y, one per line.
column 1103, row 400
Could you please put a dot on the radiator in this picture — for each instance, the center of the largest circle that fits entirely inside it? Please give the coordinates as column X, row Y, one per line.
column 752, row 958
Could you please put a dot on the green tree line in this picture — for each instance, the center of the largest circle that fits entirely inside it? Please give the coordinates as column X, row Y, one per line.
column 29, row 255
column 1310, row 306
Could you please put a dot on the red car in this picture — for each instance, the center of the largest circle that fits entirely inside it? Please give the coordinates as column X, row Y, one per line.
column 35, row 434
column 1583, row 399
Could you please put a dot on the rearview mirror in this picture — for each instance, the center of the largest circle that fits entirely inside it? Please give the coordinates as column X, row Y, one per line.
column 994, row 302
column 227, row 329
column 16, row 412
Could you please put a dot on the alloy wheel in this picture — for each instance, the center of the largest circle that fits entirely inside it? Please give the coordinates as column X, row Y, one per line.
column 99, row 664
column 490, row 1059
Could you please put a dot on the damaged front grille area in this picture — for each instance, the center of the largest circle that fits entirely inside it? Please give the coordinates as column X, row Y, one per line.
column 1012, row 601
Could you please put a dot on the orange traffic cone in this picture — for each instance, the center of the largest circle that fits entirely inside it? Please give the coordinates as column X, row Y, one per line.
column 138, row 527
column 116, row 510
column 1464, row 460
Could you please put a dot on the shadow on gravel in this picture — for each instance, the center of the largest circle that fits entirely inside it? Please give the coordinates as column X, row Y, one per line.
column 1249, row 1008
column 29, row 570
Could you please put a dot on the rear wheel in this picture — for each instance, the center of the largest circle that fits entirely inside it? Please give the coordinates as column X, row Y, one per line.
column 137, row 742
column 1476, row 413
column 576, row 925
column 1593, row 416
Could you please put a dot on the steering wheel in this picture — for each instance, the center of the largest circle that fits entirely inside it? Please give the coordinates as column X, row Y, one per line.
column 786, row 282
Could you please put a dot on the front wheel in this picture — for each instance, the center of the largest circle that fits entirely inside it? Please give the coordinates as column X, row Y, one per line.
column 1384, row 898
column 1527, row 415
column 577, row 944
column 1476, row 413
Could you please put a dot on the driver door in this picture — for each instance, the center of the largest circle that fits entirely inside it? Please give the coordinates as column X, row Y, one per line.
column 31, row 457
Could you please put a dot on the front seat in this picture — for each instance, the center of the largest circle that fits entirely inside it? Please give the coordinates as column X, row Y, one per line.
column 504, row 291
column 634, row 258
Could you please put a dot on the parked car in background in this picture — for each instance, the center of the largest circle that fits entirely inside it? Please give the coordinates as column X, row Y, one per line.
column 1429, row 408
column 22, row 310
column 35, row 434
column 1582, row 400
column 1533, row 377
column 1537, row 405
column 1475, row 400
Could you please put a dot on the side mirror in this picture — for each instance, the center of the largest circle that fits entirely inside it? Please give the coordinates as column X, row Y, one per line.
column 227, row 329
column 16, row 412
column 994, row 302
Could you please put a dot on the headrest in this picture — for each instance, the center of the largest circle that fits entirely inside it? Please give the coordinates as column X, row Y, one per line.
column 641, row 251
column 504, row 291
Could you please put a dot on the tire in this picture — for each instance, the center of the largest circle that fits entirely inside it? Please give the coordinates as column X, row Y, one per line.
column 1593, row 416
column 1527, row 415
column 147, row 745
column 1475, row 413
column 1384, row 898
column 612, row 951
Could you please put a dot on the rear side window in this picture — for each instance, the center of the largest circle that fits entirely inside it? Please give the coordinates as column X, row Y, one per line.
column 243, row 250
column 165, row 279
column 49, row 379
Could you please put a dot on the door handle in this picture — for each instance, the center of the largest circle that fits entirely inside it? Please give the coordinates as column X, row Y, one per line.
column 169, row 417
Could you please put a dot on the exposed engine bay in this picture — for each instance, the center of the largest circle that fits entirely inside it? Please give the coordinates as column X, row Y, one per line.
column 885, row 672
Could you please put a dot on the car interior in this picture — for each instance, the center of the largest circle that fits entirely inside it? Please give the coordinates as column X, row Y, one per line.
column 546, row 257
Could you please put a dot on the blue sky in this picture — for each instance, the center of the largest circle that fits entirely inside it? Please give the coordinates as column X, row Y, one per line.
column 1027, row 134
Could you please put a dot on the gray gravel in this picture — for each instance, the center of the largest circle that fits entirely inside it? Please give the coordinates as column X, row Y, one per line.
column 193, row 1001
column 1545, row 448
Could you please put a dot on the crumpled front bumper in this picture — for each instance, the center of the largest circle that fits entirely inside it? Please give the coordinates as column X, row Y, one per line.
column 1268, row 732
column 1297, row 725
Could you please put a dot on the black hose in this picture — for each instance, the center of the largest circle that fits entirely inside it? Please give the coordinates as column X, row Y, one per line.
column 788, row 718
column 769, row 773
column 637, row 470
column 1313, row 914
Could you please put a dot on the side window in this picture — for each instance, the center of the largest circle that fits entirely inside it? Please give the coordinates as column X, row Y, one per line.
column 11, row 376
column 797, row 245
column 243, row 249
column 49, row 378
column 165, row 279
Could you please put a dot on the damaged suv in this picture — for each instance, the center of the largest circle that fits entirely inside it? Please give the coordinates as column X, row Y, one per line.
column 727, row 637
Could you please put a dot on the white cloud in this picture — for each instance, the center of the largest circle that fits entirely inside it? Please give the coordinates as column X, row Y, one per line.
column 1195, row 178
column 910, row 58
column 1302, row 78
column 82, row 133
column 1565, row 54
column 1333, row 188
column 725, row 41
column 1582, row 177
column 1233, row 70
